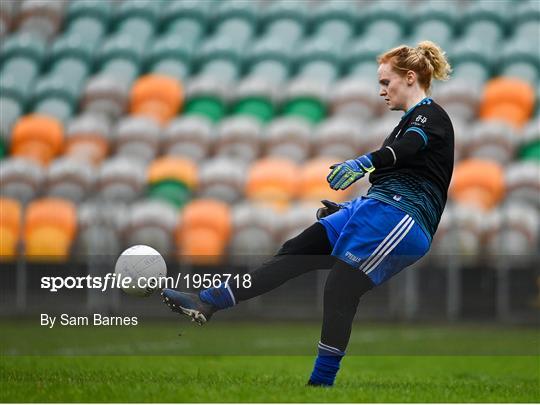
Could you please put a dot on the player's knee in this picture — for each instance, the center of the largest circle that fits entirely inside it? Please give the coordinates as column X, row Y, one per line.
column 312, row 241
column 345, row 285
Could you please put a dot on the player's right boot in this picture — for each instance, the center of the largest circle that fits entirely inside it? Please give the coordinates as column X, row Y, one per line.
column 188, row 304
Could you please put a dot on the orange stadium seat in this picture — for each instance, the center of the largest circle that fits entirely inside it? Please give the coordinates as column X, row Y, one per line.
column 157, row 96
column 204, row 231
column 209, row 214
column 173, row 168
column 49, row 229
column 202, row 246
column 508, row 99
column 272, row 180
column 313, row 184
column 38, row 137
column 478, row 182
column 10, row 227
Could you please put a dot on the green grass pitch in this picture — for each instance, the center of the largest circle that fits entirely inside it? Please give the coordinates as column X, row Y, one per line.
column 266, row 362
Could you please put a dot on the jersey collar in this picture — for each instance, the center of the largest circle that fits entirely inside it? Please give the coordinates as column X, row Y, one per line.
column 424, row 101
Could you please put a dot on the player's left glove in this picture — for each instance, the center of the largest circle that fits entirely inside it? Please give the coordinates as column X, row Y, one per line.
column 346, row 173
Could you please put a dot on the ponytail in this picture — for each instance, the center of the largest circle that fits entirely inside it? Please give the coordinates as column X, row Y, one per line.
column 427, row 60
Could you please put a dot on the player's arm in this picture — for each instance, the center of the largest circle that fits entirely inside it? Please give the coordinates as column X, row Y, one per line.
column 420, row 132
column 346, row 173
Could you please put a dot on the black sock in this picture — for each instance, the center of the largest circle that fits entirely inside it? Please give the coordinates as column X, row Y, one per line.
column 342, row 291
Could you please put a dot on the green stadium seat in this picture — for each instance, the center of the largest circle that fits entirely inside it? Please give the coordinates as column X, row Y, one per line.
column 434, row 20
column 361, row 57
column 270, row 58
column 173, row 192
column 306, row 98
column 236, row 21
column 319, row 59
column 120, row 57
column 170, row 55
column 335, row 21
column 521, row 59
column 387, row 16
column 526, row 20
column 219, row 57
column 12, row 98
column 137, row 19
column 70, row 58
column 285, row 21
column 487, row 20
column 54, row 97
column 267, row 64
column 21, row 56
column 89, row 19
column 207, row 97
column 257, row 98
column 472, row 60
column 529, row 145
column 186, row 19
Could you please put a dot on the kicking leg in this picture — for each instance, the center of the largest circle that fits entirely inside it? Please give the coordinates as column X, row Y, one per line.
column 308, row 251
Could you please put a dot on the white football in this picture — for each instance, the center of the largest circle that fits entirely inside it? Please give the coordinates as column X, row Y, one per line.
column 144, row 266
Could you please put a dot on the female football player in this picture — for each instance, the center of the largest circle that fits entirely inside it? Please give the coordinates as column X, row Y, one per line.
column 369, row 239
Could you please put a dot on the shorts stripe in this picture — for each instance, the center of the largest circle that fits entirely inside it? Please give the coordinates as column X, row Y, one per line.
column 230, row 293
column 387, row 240
column 403, row 234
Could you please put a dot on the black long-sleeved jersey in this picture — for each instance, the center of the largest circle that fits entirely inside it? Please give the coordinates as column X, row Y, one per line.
column 414, row 166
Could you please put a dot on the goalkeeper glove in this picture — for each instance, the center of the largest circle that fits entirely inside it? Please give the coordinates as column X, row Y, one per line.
column 346, row 173
column 329, row 208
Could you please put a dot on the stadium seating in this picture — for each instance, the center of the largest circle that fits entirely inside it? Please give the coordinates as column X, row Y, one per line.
column 172, row 179
column 203, row 238
column 20, row 179
column 478, row 182
column 50, row 226
column 37, row 137
column 10, row 228
column 116, row 110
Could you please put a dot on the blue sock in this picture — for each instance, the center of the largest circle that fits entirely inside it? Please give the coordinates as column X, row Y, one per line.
column 220, row 297
column 326, row 365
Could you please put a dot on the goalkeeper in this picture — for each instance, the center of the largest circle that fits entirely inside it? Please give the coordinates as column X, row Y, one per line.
column 367, row 240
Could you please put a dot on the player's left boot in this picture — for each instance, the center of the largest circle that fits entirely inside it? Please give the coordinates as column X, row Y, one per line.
column 188, row 304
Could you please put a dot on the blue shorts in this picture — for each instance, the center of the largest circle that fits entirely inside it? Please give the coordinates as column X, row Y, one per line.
column 375, row 237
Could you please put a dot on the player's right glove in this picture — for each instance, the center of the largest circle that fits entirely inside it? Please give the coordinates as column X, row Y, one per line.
column 329, row 208
column 346, row 173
